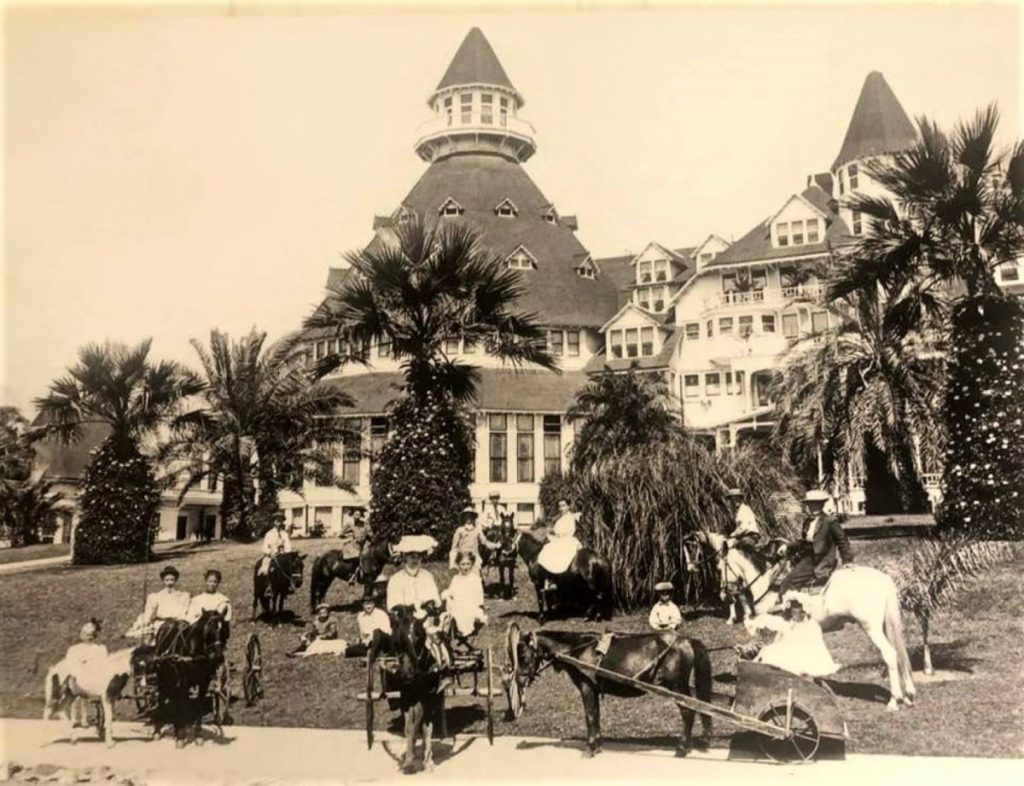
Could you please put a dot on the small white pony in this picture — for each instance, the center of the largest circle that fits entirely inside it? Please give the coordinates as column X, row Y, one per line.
column 856, row 593
column 71, row 686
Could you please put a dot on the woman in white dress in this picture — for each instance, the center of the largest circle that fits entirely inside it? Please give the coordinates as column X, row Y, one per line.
column 799, row 645
column 562, row 545
column 464, row 598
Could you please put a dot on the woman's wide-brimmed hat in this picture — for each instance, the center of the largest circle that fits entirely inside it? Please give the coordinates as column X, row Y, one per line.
column 469, row 509
column 817, row 495
column 416, row 544
column 663, row 586
column 322, row 607
column 170, row 570
column 734, row 492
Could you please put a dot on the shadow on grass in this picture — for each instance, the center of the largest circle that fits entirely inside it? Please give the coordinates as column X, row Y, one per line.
column 946, row 656
column 862, row 691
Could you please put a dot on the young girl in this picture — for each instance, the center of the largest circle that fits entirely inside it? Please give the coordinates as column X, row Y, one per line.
column 87, row 648
column 464, row 598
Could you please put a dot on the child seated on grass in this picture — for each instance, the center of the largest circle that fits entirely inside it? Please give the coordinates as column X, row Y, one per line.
column 665, row 615
column 322, row 628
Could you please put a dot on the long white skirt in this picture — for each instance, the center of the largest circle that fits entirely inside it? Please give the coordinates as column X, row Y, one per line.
column 801, row 650
column 558, row 553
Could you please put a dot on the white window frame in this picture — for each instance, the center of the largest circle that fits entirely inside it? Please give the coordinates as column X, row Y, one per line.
column 691, row 331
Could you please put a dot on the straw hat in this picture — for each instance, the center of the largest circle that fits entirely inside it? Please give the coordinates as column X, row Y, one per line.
column 415, row 544
column 734, row 492
column 663, row 586
column 817, row 495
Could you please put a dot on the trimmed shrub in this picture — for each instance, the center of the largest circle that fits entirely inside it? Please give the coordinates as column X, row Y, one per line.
column 983, row 483
column 120, row 503
column 420, row 479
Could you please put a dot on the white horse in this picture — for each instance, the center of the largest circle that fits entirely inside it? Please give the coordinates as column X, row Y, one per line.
column 856, row 593
column 72, row 686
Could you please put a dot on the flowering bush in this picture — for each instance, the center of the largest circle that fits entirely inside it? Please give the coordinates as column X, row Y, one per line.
column 983, row 484
column 421, row 475
column 120, row 505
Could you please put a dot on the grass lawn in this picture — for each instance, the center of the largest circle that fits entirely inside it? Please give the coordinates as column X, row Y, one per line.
column 38, row 551
column 981, row 713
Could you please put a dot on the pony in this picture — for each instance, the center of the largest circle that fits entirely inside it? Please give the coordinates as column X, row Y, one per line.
column 659, row 658
column 331, row 565
column 283, row 577
column 854, row 593
column 187, row 655
column 504, row 557
column 587, row 583
column 418, row 682
column 71, row 687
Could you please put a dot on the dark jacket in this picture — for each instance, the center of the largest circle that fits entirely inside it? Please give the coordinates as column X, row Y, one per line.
column 828, row 539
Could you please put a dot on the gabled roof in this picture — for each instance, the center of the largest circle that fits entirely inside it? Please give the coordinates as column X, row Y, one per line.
column 507, row 202
column 798, row 198
column 681, row 256
column 475, row 64
column 336, row 276
column 632, row 307
column 522, row 249
column 600, row 361
column 879, row 124
column 554, row 292
column 449, row 202
column 823, row 180
column 756, row 245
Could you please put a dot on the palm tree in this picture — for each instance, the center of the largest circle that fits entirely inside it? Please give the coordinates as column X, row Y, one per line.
column 936, row 571
column 618, row 411
column 264, row 425
column 15, row 452
column 956, row 216
column 116, row 385
column 873, row 383
column 432, row 285
column 957, row 213
column 28, row 506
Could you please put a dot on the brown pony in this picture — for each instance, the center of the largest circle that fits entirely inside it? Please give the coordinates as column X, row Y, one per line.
column 586, row 585
column 282, row 579
column 331, row 565
column 418, row 680
column 661, row 658
column 504, row 557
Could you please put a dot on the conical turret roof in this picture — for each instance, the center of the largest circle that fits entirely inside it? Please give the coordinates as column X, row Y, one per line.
column 475, row 64
column 879, row 124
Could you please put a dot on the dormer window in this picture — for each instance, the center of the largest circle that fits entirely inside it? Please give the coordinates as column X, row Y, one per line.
column 404, row 215
column 450, row 208
column 551, row 216
column 587, row 269
column 506, row 208
column 798, row 233
column 782, row 232
column 521, row 259
column 706, row 257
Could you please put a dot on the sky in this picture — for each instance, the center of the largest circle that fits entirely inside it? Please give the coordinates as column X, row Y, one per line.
column 168, row 172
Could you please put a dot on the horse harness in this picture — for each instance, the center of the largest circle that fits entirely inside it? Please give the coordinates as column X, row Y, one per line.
column 601, row 648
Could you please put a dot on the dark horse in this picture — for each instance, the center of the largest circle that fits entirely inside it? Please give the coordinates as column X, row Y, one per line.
column 586, row 584
column 331, row 565
column 418, row 680
column 186, row 657
column 504, row 557
column 281, row 580
column 661, row 658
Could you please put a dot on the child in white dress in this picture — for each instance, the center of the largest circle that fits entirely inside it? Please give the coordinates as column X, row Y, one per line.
column 464, row 598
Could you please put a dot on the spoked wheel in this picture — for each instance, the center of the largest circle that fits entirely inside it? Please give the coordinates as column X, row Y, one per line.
column 143, row 692
column 252, row 674
column 802, row 745
column 369, row 703
column 490, row 697
column 220, row 695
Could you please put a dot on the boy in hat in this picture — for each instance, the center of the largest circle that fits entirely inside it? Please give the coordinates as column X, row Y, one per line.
column 745, row 529
column 665, row 615
column 321, row 628
column 492, row 511
column 821, row 538
column 468, row 538
column 275, row 542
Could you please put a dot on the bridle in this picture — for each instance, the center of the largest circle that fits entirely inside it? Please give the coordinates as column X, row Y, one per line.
column 739, row 586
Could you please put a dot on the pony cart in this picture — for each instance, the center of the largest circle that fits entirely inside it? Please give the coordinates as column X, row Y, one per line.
column 146, row 691
column 789, row 718
column 476, row 668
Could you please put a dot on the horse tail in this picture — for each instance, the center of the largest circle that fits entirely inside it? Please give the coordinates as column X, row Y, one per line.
column 702, row 679
column 893, row 628
column 52, row 690
column 604, row 586
column 314, row 582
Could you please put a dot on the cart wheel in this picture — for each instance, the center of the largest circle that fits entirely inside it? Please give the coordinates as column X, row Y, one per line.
column 220, row 695
column 490, row 698
column 144, row 692
column 252, row 674
column 369, row 703
column 803, row 742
